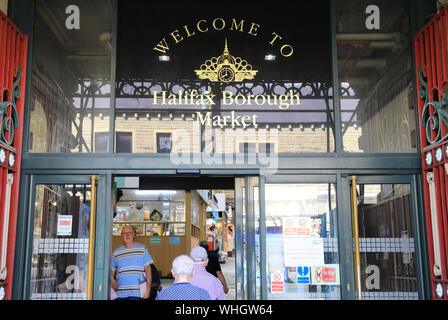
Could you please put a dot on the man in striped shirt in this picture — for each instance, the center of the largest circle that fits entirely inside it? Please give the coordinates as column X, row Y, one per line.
column 204, row 279
column 131, row 265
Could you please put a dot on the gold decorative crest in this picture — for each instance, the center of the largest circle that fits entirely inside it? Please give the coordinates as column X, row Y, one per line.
column 226, row 68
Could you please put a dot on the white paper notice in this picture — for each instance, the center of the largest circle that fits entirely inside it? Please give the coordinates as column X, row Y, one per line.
column 303, row 251
column 64, row 225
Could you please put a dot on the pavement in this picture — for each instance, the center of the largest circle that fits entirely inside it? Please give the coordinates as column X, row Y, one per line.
column 228, row 269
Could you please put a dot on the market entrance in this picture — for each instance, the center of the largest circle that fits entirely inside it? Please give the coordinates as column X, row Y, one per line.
column 171, row 215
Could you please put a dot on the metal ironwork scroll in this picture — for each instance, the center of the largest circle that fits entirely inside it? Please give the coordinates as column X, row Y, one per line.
column 10, row 121
column 13, row 58
column 432, row 121
column 431, row 57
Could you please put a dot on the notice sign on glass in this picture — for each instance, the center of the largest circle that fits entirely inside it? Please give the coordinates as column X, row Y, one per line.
column 296, row 227
column 303, row 251
column 64, row 225
column 277, row 282
column 325, row 275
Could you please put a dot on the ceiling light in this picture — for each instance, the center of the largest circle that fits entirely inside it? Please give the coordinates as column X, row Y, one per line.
column 164, row 58
column 269, row 57
column 155, row 192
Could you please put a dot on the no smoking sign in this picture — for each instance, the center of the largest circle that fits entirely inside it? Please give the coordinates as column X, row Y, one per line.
column 277, row 282
column 325, row 275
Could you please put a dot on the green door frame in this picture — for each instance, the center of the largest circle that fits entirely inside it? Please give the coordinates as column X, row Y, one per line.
column 102, row 234
column 345, row 242
column 417, row 220
column 344, row 224
column 104, row 221
column 336, row 164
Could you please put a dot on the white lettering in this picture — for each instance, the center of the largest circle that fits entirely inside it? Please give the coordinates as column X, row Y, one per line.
column 73, row 21
column 373, row 20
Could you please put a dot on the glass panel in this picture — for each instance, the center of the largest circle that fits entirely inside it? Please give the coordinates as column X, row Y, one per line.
column 157, row 209
column 60, row 242
column 241, row 83
column 195, row 210
column 301, row 242
column 244, row 236
column 256, row 200
column 240, row 239
column 71, row 76
column 375, row 75
column 386, row 231
column 124, row 142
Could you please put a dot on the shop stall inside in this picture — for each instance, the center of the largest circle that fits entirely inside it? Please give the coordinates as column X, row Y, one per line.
column 168, row 222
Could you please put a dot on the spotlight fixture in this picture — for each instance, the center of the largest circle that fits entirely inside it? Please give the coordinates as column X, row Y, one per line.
column 439, row 290
column 11, row 159
column 164, row 58
column 439, row 154
column 2, row 156
column 428, row 158
column 2, row 292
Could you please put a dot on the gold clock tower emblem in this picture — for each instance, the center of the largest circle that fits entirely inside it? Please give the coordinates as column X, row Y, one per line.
column 226, row 68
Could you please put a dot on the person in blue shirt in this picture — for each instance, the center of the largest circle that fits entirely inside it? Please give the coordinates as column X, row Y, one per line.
column 131, row 267
column 182, row 289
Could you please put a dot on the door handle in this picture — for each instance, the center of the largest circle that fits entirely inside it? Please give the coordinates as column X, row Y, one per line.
column 91, row 260
column 356, row 237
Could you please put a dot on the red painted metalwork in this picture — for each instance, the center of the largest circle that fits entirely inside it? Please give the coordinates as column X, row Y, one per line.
column 431, row 54
column 13, row 58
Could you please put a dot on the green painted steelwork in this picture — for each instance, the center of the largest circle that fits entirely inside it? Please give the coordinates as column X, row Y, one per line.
column 330, row 167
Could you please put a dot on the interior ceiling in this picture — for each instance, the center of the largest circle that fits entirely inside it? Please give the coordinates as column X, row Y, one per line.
column 89, row 48
column 364, row 56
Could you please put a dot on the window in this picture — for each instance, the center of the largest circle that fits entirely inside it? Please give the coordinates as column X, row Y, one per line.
column 246, row 147
column 251, row 147
column 71, row 78
column 226, row 79
column 266, row 148
column 164, row 142
column 375, row 72
column 124, row 142
column 101, row 141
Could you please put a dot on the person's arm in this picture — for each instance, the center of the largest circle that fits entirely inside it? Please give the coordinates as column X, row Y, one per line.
column 148, row 281
column 114, row 283
column 223, row 281
column 219, row 290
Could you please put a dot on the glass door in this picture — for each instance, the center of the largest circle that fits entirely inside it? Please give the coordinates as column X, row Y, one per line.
column 385, row 238
column 63, row 238
column 301, row 239
column 247, row 238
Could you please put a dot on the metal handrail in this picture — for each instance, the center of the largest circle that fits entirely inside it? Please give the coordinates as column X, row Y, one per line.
column 356, row 237
column 91, row 260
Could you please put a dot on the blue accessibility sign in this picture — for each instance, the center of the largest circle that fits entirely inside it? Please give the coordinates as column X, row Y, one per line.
column 303, row 275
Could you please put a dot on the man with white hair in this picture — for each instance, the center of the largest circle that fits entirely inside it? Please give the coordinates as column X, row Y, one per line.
column 182, row 289
column 204, row 279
